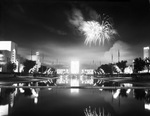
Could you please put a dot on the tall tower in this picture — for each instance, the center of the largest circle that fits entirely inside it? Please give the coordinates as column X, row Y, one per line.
column 146, row 52
column 112, row 58
column 118, row 55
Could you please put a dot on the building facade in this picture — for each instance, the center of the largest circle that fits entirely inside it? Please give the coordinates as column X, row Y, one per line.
column 146, row 52
column 8, row 52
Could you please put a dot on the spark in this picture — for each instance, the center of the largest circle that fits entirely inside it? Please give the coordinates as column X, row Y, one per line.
column 97, row 31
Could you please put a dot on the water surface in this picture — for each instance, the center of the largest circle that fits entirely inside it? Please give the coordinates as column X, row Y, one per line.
column 73, row 101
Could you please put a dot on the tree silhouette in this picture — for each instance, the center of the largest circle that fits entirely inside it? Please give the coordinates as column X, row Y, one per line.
column 11, row 66
column 107, row 68
column 139, row 65
column 122, row 65
column 28, row 64
column 42, row 68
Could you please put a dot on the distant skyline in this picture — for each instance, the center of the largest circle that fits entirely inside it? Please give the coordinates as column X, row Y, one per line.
column 45, row 26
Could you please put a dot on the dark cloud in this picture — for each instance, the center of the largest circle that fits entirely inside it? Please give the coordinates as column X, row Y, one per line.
column 53, row 30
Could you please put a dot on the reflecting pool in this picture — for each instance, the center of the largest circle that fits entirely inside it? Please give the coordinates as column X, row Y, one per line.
column 45, row 98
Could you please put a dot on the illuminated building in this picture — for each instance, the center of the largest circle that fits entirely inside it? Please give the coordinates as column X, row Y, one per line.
column 11, row 47
column 62, row 71
column 4, row 58
column 37, row 59
column 8, row 52
column 87, row 71
column 74, row 67
column 146, row 52
column 34, row 57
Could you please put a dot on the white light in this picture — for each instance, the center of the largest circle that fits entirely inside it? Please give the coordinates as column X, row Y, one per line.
column 49, row 88
column 5, row 45
column 35, row 100
column 127, row 84
column 101, row 89
column 1, row 55
column 128, row 91
column 147, row 106
column 62, row 71
column 74, row 90
column 128, row 70
column 116, row 94
column 74, row 83
column 14, row 84
column 88, row 71
column 75, row 67
column 146, row 48
column 21, row 90
column 34, row 93
column 4, row 110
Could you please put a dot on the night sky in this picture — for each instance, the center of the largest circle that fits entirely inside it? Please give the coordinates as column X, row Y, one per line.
column 44, row 26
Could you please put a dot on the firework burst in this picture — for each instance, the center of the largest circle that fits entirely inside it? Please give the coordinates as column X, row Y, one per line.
column 97, row 31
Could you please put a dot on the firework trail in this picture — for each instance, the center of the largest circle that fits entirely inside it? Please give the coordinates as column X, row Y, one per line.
column 97, row 31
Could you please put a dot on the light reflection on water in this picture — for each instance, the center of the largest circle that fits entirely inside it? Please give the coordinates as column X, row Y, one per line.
column 74, row 83
column 73, row 101
column 136, row 99
column 79, row 80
